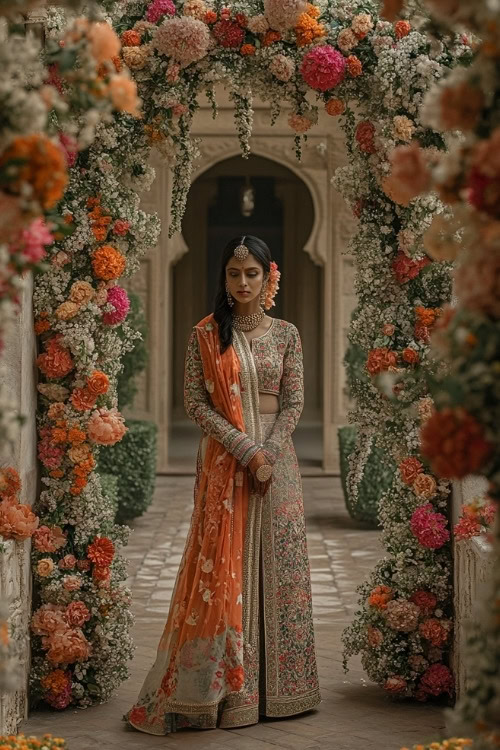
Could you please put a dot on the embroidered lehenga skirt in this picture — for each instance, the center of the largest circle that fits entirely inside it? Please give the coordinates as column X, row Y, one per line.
column 252, row 653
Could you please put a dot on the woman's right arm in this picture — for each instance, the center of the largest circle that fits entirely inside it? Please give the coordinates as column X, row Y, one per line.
column 201, row 411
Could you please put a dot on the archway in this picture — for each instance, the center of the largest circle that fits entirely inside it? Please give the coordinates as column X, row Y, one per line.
column 254, row 196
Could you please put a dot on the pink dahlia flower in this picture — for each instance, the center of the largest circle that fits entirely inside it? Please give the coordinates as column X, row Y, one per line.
column 429, row 527
column 184, row 39
column 118, row 298
column 323, row 67
column 106, row 426
column 158, row 9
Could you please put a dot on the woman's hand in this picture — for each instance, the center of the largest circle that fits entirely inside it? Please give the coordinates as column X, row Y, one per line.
column 260, row 459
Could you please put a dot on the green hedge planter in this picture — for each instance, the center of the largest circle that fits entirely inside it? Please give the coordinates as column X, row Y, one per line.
column 133, row 462
column 377, row 477
column 109, row 486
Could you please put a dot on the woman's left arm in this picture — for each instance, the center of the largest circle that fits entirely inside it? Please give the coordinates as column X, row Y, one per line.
column 292, row 396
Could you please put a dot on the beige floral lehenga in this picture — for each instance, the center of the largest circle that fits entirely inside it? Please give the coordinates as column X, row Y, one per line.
column 239, row 639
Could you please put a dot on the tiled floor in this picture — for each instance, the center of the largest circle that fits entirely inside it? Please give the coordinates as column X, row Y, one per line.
column 354, row 714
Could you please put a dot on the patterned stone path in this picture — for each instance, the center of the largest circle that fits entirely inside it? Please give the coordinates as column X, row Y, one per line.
column 354, row 714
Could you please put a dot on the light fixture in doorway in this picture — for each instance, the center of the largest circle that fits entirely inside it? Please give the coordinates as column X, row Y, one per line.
column 247, row 198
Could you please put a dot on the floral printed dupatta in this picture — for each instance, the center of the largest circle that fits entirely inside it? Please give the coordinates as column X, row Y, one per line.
column 200, row 655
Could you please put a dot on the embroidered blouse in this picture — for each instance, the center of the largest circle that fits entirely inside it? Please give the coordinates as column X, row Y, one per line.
column 278, row 360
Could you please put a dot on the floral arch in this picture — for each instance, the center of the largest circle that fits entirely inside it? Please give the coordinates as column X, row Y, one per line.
column 373, row 75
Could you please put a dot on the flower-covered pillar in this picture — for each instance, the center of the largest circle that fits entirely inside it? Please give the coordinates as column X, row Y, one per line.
column 17, row 377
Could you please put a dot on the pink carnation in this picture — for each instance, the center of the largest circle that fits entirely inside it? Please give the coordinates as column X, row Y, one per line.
column 48, row 619
column 48, row 539
column 282, row 67
column 118, row 298
column 436, row 680
column 158, row 9
column 323, row 67
column 466, row 528
column 229, row 34
column 72, row 583
column 106, row 426
column 69, row 148
column 67, row 646
column 77, row 614
column 17, row 521
column 184, row 39
column 49, row 453
column 31, row 242
column 425, row 601
column 121, row 227
column 429, row 527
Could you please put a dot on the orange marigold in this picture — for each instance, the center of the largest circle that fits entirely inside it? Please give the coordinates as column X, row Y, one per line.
column 354, row 66
column 56, row 473
column 36, row 161
column 99, row 233
column 56, row 361
column 98, row 383
column 270, row 37
column 59, row 435
column 426, row 315
column 101, row 551
column 402, row 29
column 75, row 490
column 307, row 30
column 454, row 442
column 335, row 107
column 82, row 399
column 313, row 10
column 55, row 681
column 108, row 263
column 248, row 50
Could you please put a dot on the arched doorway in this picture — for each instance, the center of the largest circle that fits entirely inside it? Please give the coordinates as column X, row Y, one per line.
column 249, row 196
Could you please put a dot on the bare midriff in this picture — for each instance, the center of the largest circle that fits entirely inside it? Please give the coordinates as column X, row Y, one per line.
column 268, row 403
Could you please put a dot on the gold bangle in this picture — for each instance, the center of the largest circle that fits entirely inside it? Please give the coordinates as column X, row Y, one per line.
column 264, row 472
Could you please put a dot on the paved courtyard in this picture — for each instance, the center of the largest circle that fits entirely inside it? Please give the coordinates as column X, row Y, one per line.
column 354, row 714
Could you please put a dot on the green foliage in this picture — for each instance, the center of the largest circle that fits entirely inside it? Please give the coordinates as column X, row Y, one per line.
column 133, row 462
column 133, row 361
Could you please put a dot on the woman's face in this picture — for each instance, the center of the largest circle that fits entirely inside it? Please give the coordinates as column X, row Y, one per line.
column 244, row 278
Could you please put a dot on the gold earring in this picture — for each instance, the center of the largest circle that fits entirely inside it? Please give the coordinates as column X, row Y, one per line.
column 230, row 300
column 263, row 291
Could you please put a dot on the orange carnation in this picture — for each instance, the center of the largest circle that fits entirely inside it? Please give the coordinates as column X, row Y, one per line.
column 410, row 355
column 56, row 361
column 101, row 551
column 99, row 233
column 35, row 161
column 426, row 315
column 248, row 50
column 55, row 681
column 335, row 107
column 454, row 442
column 41, row 326
column 108, row 263
column 270, row 37
column 76, row 436
column 56, row 473
column 354, row 66
column 312, row 10
column 210, row 17
column 380, row 596
column 130, row 38
column 307, row 30
column 82, row 399
column 380, row 360
column 98, row 383
column 402, row 29
column 59, row 435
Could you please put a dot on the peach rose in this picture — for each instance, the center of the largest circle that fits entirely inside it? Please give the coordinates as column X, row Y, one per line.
column 409, row 469
column 81, row 292
column 98, row 383
column 17, row 521
column 388, row 329
column 424, row 486
column 106, row 426
column 410, row 355
column 45, row 567
column 67, row 562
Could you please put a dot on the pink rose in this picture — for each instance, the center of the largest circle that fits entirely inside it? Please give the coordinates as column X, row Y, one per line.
column 67, row 562
column 77, row 614
column 72, row 583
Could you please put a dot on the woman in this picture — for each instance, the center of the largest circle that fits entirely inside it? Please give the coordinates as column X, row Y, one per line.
column 239, row 638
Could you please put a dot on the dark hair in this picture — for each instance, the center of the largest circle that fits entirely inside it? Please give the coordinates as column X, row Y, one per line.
column 222, row 311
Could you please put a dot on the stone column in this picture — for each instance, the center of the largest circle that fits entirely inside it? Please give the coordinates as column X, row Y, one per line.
column 18, row 382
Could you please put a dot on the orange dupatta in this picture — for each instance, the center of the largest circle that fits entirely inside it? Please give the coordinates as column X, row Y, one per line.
column 200, row 656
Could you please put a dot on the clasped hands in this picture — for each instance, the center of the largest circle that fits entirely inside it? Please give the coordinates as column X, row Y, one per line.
column 257, row 485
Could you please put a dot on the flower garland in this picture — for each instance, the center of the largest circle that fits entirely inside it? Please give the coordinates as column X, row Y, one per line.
column 461, row 434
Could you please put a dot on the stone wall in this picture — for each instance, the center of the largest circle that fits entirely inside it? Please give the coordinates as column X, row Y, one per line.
column 18, row 384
